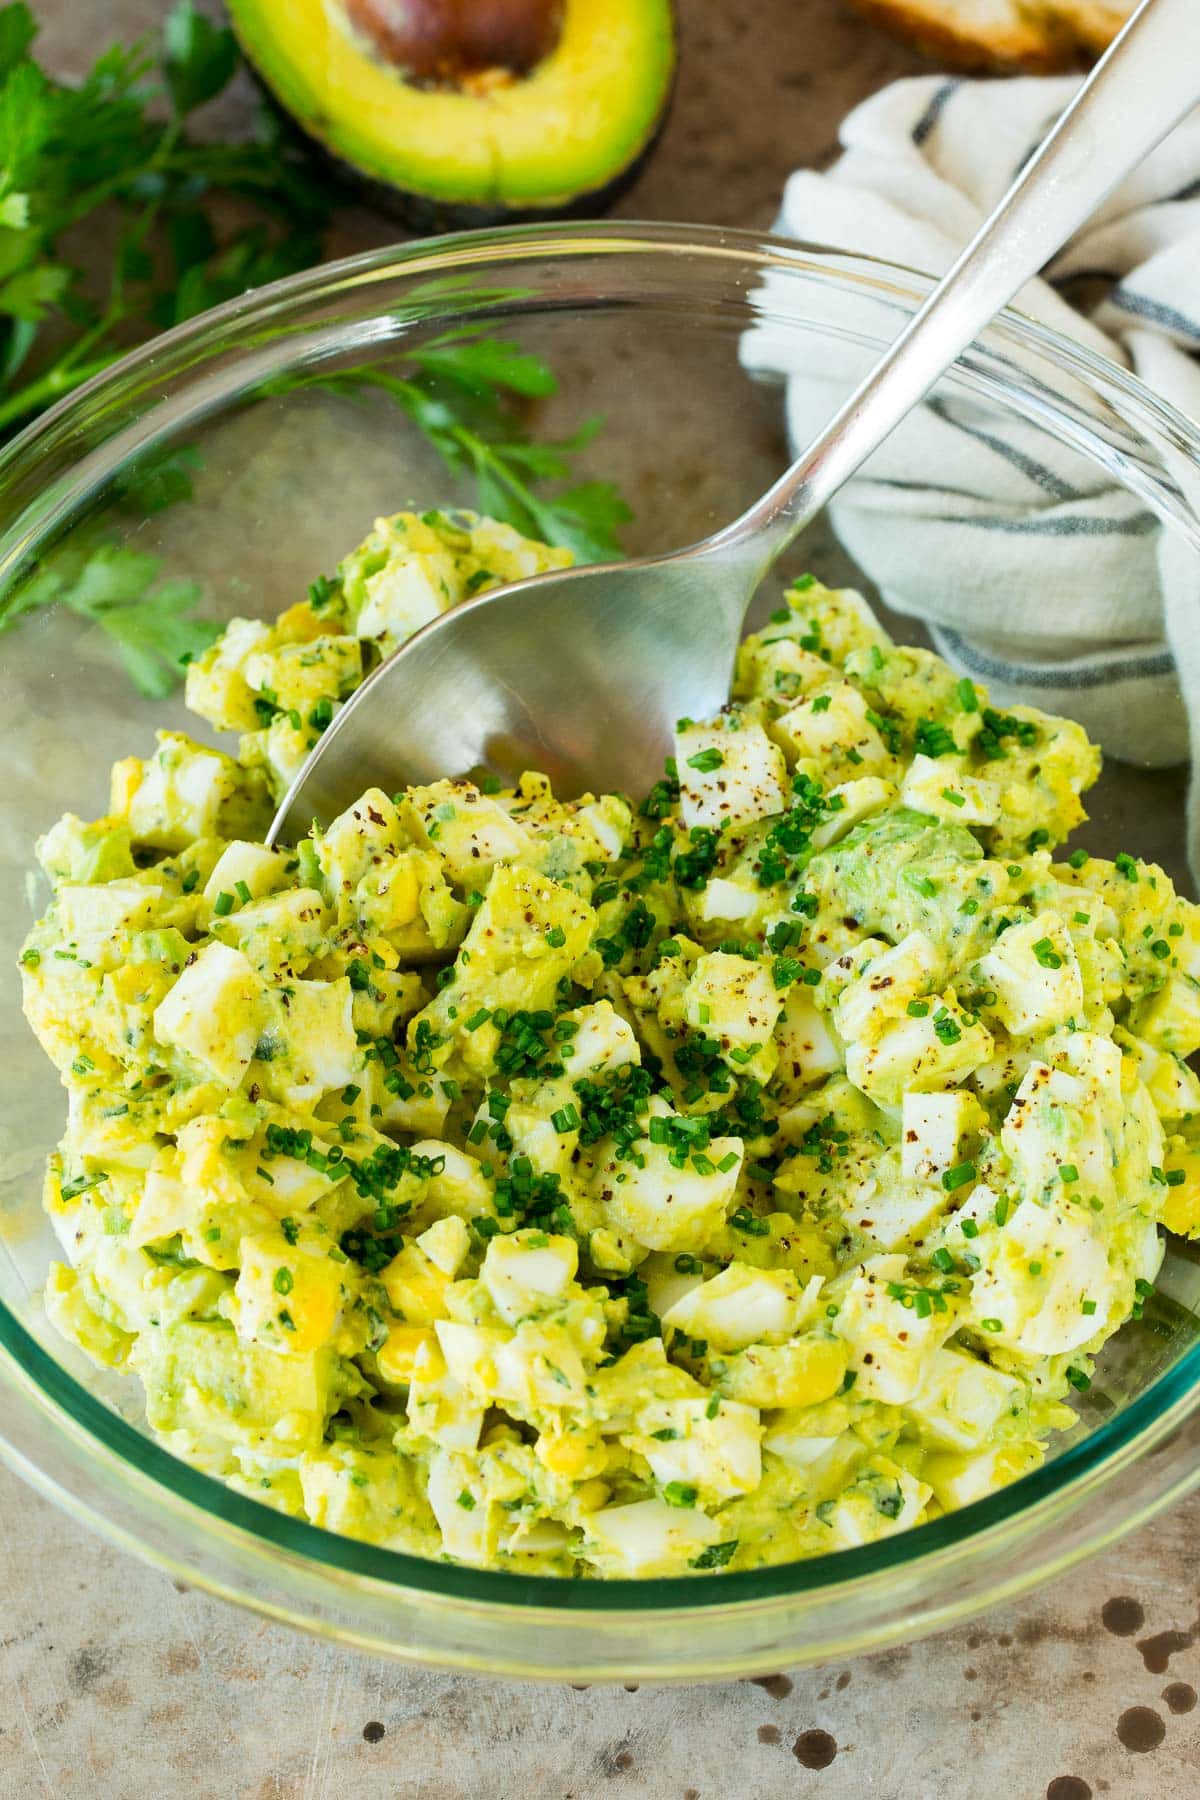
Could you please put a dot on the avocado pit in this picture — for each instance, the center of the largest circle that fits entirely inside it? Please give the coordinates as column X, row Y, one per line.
column 450, row 43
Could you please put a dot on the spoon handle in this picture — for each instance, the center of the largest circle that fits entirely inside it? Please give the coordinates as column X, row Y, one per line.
column 1147, row 82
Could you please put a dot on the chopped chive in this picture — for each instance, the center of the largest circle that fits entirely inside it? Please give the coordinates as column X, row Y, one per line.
column 705, row 761
column 715, row 1556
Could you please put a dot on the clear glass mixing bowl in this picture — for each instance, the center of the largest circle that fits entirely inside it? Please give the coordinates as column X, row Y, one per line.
column 642, row 325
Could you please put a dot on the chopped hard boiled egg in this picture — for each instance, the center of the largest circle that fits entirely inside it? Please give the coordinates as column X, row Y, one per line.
column 611, row 1187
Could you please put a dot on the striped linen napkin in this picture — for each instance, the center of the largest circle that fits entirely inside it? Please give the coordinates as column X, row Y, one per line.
column 1035, row 571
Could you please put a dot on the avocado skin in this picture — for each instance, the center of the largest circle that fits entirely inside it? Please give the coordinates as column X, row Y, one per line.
column 424, row 216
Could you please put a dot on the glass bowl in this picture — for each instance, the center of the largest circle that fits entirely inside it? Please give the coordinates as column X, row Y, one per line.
column 227, row 451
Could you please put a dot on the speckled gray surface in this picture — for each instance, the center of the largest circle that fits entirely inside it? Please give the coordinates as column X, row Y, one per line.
column 114, row 1683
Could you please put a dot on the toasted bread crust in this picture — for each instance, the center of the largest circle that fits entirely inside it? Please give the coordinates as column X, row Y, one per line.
column 1096, row 22
column 1038, row 36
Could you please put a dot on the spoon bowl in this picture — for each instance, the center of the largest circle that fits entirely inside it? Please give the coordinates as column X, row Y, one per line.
column 523, row 678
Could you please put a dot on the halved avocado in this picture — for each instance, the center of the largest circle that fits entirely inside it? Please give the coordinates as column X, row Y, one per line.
column 465, row 112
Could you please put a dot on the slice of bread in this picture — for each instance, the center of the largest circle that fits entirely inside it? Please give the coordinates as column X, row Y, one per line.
column 1036, row 35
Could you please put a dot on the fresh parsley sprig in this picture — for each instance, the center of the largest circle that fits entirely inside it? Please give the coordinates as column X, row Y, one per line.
column 467, row 393
column 117, row 145
column 151, row 622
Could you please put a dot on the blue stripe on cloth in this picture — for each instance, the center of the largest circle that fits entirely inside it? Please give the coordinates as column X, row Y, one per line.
column 1037, row 472
column 1104, row 670
column 923, row 487
column 1052, row 526
column 933, row 112
column 1043, row 132
column 1155, row 312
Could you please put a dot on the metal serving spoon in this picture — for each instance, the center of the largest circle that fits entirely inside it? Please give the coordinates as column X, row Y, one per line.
column 582, row 673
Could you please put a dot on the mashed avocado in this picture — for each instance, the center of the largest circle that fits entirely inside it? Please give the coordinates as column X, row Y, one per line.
column 601, row 1187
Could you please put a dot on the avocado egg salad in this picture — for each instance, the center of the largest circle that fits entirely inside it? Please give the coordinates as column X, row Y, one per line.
column 619, row 1186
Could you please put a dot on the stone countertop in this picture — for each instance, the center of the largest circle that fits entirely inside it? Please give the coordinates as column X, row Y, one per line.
column 118, row 1684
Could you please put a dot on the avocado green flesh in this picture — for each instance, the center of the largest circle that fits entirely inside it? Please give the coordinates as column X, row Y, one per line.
column 576, row 126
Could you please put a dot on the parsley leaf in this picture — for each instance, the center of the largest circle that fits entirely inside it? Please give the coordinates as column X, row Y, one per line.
column 103, row 149
column 482, row 365
column 151, row 622
column 199, row 58
column 466, row 392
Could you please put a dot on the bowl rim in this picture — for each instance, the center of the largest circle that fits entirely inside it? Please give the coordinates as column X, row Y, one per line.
column 66, row 1403
column 1157, row 1412
column 768, row 250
